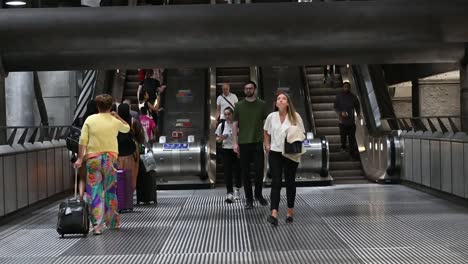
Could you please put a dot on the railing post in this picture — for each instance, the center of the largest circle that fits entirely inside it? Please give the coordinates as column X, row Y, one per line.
column 3, row 132
column 464, row 95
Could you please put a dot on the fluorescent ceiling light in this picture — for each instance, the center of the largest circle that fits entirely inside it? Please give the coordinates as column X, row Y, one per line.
column 15, row 3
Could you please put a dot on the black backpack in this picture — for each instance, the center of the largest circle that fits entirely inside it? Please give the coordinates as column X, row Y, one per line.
column 73, row 139
column 127, row 144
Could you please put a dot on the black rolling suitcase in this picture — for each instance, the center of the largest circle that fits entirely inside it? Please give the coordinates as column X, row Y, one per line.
column 146, row 185
column 73, row 215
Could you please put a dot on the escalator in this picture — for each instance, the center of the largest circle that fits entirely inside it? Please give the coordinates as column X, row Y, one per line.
column 236, row 77
column 343, row 168
column 130, row 88
column 181, row 153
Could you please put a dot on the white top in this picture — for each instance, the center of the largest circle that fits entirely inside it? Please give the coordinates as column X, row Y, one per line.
column 277, row 130
column 223, row 104
column 227, row 143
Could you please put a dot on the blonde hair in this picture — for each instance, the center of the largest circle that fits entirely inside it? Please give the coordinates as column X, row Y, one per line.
column 291, row 110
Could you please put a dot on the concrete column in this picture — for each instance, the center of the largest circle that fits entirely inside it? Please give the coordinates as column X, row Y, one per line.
column 464, row 96
column 19, row 99
column 415, row 98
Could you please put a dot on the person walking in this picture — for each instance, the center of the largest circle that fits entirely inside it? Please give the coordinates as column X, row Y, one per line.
column 345, row 105
column 283, row 123
column 231, row 165
column 224, row 100
column 247, row 135
column 98, row 144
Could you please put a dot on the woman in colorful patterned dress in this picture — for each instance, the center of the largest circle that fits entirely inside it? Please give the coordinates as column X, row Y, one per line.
column 98, row 145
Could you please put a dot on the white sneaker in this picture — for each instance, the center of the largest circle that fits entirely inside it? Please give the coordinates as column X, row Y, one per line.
column 237, row 194
column 229, row 198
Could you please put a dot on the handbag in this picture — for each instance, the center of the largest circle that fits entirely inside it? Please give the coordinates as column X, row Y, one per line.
column 292, row 148
column 73, row 139
column 148, row 161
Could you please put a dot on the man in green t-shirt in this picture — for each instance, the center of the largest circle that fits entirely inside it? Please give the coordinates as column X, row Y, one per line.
column 249, row 115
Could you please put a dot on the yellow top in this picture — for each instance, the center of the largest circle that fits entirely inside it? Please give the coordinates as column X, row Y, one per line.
column 99, row 133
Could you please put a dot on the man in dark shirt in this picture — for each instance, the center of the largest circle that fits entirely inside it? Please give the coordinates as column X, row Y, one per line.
column 345, row 105
column 152, row 86
column 249, row 115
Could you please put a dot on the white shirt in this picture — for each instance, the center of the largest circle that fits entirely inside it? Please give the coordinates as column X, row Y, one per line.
column 227, row 143
column 223, row 104
column 277, row 130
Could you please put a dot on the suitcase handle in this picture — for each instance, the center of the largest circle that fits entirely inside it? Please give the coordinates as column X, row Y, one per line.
column 76, row 183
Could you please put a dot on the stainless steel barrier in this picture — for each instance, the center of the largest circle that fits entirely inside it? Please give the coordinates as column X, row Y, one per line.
column 437, row 160
column 180, row 161
column 33, row 172
column 315, row 161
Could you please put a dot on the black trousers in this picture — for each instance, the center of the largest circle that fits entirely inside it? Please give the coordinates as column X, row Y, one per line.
column 348, row 131
column 231, row 167
column 278, row 163
column 248, row 153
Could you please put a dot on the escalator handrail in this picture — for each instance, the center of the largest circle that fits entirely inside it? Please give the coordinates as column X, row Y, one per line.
column 308, row 108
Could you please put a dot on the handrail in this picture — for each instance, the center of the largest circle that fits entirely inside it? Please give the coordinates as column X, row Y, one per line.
column 309, row 111
column 417, row 124
column 38, row 134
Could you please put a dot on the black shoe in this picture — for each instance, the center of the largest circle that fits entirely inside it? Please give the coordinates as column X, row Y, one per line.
column 289, row 219
column 272, row 220
column 248, row 205
column 262, row 201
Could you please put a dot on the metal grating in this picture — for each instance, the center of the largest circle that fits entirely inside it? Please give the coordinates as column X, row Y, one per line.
column 341, row 256
column 207, row 258
column 107, row 259
column 127, row 241
column 338, row 224
column 410, row 255
column 35, row 243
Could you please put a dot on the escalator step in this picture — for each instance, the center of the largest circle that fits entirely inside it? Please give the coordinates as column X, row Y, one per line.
column 325, row 91
column 339, row 156
column 347, row 174
column 333, row 139
column 345, row 165
column 328, row 130
column 314, row 70
column 132, row 78
column 322, row 107
column 322, row 99
column 232, row 79
column 325, row 114
column 323, row 122
column 233, row 71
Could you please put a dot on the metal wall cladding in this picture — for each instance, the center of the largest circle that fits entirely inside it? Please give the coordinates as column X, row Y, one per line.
column 58, row 171
column 436, row 181
column 408, row 159
column 21, row 180
column 42, row 174
column 2, row 187
column 446, row 166
column 32, row 172
column 9, row 180
column 417, row 160
column 33, row 194
column 465, row 167
column 66, row 170
column 458, row 181
column 425, row 162
column 50, row 172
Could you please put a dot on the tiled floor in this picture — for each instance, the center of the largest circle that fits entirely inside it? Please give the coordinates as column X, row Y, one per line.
column 340, row 224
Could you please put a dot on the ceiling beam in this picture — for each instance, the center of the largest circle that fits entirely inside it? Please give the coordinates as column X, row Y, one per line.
column 232, row 35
